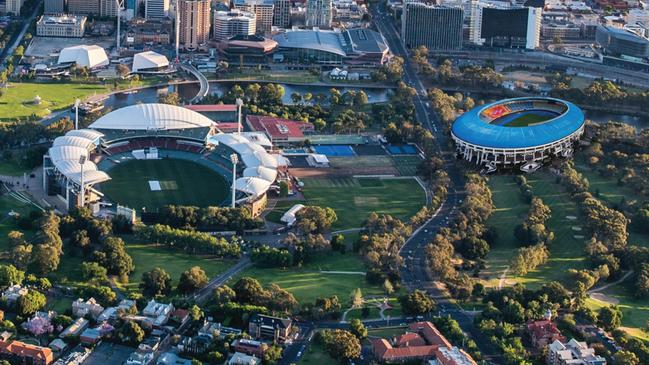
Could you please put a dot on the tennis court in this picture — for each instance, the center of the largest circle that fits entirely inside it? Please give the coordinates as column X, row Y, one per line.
column 320, row 139
column 404, row 149
column 335, row 150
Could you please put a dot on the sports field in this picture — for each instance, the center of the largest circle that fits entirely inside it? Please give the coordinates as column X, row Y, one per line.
column 354, row 199
column 156, row 183
column 524, row 118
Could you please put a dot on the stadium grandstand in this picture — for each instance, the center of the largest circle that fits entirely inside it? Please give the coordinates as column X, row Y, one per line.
column 518, row 132
column 151, row 132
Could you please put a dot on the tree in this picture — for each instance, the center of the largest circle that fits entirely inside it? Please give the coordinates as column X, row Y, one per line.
column 340, row 344
column 9, row 275
column 16, row 238
column 195, row 312
column 314, row 219
column 273, row 354
column 360, row 98
column 625, row 358
column 357, row 328
column 609, row 318
column 192, row 280
column 249, row 290
column 117, row 261
column 30, row 303
column 417, row 302
column 92, row 271
column 122, row 70
column 131, row 333
column 156, row 282
column 388, row 287
column 357, row 298
column 642, row 282
column 172, row 98
column 45, row 259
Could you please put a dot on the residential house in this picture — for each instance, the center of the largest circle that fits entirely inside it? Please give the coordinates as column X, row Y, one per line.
column 75, row 329
column 13, row 293
column 81, row 308
column 77, row 356
column 543, row 333
column 272, row 328
column 169, row 358
column 17, row 352
column 58, row 346
column 139, row 358
column 572, row 353
column 157, row 313
column 243, row 359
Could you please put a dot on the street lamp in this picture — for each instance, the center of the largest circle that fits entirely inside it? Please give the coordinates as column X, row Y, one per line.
column 239, row 103
column 82, row 161
column 234, row 158
column 76, row 113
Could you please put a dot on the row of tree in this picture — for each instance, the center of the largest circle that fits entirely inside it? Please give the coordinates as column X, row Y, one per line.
column 189, row 241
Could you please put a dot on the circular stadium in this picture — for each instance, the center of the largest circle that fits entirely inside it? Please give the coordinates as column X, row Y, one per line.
column 521, row 131
column 146, row 156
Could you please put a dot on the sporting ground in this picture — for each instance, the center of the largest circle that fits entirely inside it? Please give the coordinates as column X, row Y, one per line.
column 525, row 118
column 181, row 182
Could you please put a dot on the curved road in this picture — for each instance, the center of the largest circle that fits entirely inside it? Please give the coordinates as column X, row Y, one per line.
column 10, row 50
column 414, row 272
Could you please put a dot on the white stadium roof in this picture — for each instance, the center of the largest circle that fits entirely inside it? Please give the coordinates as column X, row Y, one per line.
column 149, row 60
column 72, row 141
column 252, row 186
column 85, row 56
column 85, row 133
column 66, row 161
column 152, row 117
column 262, row 172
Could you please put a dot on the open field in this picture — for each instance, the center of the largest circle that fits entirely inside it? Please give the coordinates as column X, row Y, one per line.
column 354, row 199
column 315, row 354
column 147, row 257
column 7, row 222
column 635, row 312
column 181, row 182
column 566, row 251
column 12, row 168
column 16, row 102
column 308, row 283
column 362, row 165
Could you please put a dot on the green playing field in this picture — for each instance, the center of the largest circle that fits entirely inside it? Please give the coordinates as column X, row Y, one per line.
column 527, row 119
column 156, row 183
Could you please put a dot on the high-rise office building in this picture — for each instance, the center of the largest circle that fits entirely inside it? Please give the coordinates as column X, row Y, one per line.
column 194, row 23
column 436, row 27
column 54, row 6
column 282, row 13
column 228, row 24
column 511, row 27
column 13, row 6
column 83, row 7
column 319, row 13
column 156, row 9
column 108, row 8
column 263, row 10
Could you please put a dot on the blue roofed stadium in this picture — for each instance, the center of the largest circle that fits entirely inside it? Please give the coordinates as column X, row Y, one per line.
column 520, row 130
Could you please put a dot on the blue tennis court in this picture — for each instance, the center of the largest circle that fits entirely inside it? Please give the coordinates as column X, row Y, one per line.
column 404, row 149
column 335, row 150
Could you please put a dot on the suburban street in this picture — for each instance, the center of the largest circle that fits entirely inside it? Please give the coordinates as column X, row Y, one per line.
column 16, row 41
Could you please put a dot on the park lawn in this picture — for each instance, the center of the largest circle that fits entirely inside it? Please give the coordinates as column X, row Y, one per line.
column 147, row 257
column 7, row 222
column 357, row 314
column 566, row 251
column 510, row 211
column 17, row 99
column 182, row 183
column 386, row 332
column 353, row 199
column 12, row 168
column 635, row 312
column 315, row 354
column 309, row 282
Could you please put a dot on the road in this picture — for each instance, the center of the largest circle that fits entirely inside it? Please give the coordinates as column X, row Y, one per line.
column 202, row 295
column 10, row 50
column 414, row 274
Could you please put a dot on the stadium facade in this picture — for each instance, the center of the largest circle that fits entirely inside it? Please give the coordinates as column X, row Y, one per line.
column 520, row 131
column 152, row 131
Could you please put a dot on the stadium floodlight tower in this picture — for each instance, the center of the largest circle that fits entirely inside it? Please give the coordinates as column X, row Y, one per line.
column 82, row 161
column 234, row 158
column 239, row 103
column 76, row 113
